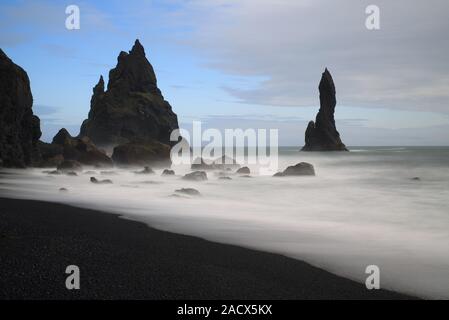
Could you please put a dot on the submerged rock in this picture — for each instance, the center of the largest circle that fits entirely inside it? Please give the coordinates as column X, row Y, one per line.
column 54, row 172
column 322, row 135
column 196, row 176
column 189, row 191
column 63, row 190
column 19, row 127
column 300, row 169
column 243, row 170
column 146, row 170
column 168, row 172
column 96, row 181
column 70, row 165
column 223, row 163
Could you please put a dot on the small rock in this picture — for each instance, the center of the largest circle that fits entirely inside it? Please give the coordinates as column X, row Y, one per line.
column 279, row 174
column 63, row 190
column 416, row 179
column 246, row 176
column 96, row 181
column 150, row 182
column 225, row 178
column 196, row 176
column 146, row 170
column 54, row 172
column 189, row 191
column 168, row 172
column 300, row 169
column 72, row 173
column 243, row 170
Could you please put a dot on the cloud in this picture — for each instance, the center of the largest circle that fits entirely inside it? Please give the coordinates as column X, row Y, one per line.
column 289, row 43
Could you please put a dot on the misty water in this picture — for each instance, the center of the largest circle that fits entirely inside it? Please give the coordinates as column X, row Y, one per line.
column 362, row 208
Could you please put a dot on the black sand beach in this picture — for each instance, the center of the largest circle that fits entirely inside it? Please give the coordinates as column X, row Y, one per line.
column 121, row 259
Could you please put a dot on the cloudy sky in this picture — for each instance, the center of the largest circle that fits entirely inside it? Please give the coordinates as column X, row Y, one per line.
column 248, row 63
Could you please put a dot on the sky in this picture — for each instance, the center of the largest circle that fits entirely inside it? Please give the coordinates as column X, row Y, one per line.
column 247, row 63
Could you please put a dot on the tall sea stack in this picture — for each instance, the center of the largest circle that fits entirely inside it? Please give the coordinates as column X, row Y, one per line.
column 19, row 127
column 322, row 135
column 132, row 109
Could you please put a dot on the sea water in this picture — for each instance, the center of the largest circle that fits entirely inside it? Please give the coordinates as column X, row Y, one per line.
column 383, row 206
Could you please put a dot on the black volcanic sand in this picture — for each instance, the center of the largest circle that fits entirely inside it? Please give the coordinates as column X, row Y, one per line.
column 121, row 259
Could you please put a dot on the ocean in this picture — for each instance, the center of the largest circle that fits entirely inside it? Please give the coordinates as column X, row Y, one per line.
column 383, row 206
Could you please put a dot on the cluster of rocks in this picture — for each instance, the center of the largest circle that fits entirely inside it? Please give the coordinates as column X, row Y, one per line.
column 129, row 123
column 130, row 119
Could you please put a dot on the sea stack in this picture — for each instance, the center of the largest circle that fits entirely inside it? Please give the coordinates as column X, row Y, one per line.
column 322, row 135
column 132, row 109
column 19, row 127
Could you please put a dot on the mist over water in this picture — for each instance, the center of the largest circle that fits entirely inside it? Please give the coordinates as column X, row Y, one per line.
column 362, row 208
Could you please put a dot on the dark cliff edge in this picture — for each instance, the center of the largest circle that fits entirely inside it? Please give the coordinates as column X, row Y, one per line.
column 19, row 127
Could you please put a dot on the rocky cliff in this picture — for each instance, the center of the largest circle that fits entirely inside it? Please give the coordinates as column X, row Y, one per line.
column 132, row 108
column 322, row 135
column 19, row 127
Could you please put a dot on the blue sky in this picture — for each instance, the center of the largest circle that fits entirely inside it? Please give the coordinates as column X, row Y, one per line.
column 247, row 63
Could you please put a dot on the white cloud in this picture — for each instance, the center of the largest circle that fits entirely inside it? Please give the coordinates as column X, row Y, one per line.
column 403, row 65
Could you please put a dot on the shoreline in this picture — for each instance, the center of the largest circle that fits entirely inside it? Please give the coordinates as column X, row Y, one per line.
column 125, row 259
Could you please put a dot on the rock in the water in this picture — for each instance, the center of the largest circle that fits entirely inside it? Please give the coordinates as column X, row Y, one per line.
column 146, row 170
column 201, row 164
column 225, row 178
column 223, row 163
column 132, row 108
column 300, row 169
column 19, row 127
column 71, row 173
column 196, row 176
column 80, row 149
column 63, row 190
column 189, row 191
column 322, row 135
column 96, row 181
column 70, row 165
column 243, row 170
column 54, row 172
column 143, row 153
column 168, row 172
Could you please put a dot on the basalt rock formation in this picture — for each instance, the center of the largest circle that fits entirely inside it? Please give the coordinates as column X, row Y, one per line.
column 322, row 135
column 132, row 109
column 77, row 149
column 19, row 127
